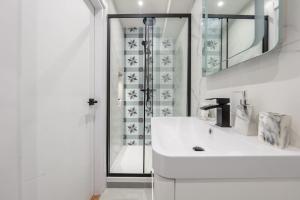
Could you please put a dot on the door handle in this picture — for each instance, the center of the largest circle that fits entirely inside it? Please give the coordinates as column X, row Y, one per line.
column 92, row 102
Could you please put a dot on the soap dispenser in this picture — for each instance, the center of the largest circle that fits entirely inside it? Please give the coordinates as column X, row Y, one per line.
column 243, row 115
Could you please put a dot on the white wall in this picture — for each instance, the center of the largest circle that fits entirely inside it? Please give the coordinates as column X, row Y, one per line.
column 196, row 57
column 9, row 69
column 273, row 21
column 28, row 100
column 272, row 81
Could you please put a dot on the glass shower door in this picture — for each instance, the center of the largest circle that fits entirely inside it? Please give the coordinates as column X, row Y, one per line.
column 148, row 70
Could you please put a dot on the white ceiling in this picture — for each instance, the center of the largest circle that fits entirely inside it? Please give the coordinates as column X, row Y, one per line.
column 229, row 7
column 170, row 27
column 153, row 6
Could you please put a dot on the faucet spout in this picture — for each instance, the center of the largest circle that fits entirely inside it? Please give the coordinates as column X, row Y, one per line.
column 209, row 107
column 223, row 111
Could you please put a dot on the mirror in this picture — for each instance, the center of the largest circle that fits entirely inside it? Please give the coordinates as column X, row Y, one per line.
column 236, row 31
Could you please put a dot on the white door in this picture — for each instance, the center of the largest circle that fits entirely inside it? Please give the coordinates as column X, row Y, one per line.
column 57, row 155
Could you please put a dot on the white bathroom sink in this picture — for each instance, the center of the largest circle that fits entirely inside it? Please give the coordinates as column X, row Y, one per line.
column 226, row 154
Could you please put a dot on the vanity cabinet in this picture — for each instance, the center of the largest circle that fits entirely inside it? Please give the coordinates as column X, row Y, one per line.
column 226, row 189
column 164, row 189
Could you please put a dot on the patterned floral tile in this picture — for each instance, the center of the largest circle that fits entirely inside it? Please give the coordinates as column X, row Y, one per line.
column 132, row 77
column 162, row 58
column 213, row 61
column 132, row 128
column 132, row 94
column 132, row 44
column 166, row 60
column 166, row 78
column 213, row 45
column 132, row 30
column 132, row 111
column 166, row 94
column 166, row 111
column 132, row 141
column 166, row 44
column 132, row 61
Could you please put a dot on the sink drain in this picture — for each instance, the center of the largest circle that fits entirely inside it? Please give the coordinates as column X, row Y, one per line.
column 197, row 148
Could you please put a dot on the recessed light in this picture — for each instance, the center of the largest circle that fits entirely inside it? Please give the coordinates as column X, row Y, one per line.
column 140, row 3
column 220, row 3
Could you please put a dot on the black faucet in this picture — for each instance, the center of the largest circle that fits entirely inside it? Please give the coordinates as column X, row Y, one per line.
column 223, row 111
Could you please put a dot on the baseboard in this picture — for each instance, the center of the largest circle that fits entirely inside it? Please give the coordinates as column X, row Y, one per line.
column 128, row 185
column 129, row 182
column 95, row 197
column 129, row 179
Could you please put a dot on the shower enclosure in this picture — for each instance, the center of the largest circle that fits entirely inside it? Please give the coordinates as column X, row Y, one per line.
column 149, row 70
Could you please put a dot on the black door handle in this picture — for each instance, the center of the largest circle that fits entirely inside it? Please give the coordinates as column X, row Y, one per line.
column 92, row 102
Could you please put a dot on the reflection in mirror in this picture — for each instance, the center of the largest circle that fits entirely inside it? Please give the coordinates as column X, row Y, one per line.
column 232, row 33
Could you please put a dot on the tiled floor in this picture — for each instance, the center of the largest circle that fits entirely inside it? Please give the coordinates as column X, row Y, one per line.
column 127, row 194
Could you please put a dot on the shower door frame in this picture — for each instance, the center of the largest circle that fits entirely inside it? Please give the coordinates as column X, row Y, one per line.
column 118, row 16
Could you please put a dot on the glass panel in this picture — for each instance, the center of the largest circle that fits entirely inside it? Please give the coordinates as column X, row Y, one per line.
column 168, row 84
column 148, row 78
column 151, row 84
column 126, row 65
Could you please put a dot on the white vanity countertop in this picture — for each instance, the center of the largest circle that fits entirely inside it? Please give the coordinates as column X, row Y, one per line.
column 227, row 154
